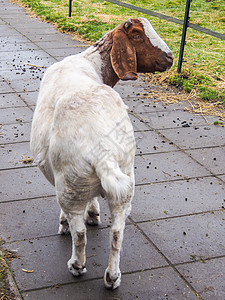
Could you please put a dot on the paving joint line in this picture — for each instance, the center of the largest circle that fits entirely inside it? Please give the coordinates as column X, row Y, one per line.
column 181, row 179
column 178, row 216
column 27, row 199
column 18, row 123
column 18, row 168
column 12, row 107
column 14, row 143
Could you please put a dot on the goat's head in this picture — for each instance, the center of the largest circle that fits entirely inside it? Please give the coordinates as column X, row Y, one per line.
column 138, row 48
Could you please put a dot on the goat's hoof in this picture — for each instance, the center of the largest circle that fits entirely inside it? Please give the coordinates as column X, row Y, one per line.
column 92, row 218
column 64, row 227
column 112, row 283
column 75, row 269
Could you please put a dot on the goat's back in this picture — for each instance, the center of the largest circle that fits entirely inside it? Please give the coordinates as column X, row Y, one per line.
column 78, row 126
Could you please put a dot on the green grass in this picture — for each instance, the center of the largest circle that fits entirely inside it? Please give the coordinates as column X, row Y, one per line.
column 203, row 69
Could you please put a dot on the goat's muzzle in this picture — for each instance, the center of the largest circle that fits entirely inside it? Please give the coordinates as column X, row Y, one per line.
column 169, row 58
column 166, row 63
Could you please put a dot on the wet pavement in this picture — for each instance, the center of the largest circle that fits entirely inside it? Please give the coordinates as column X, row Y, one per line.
column 174, row 245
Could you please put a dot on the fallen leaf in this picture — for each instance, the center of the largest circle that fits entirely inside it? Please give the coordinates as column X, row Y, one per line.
column 27, row 271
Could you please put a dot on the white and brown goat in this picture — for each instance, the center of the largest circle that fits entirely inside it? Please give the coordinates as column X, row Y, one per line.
column 82, row 137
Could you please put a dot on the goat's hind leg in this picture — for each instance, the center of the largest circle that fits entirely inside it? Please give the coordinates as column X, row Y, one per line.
column 63, row 224
column 73, row 211
column 119, row 213
column 92, row 212
column 76, row 264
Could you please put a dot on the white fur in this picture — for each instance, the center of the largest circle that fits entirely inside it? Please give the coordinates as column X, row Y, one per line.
column 154, row 38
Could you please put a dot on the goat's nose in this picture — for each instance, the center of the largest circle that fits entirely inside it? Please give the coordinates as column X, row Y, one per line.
column 169, row 56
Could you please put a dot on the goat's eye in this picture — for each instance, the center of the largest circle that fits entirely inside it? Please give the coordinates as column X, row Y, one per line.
column 137, row 37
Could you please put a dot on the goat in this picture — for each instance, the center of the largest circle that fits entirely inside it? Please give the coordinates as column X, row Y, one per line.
column 82, row 137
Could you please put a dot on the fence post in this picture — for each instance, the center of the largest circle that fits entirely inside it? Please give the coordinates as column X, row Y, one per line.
column 70, row 7
column 185, row 25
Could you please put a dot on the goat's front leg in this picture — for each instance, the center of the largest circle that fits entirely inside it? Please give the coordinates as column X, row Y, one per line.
column 112, row 276
column 76, row 264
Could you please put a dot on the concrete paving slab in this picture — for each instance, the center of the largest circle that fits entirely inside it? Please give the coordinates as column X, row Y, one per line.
column 59, row 45
column 23, row 183
column 30, row 98
column 207, row 277
column 13, row 8
column 4, row 87
column 66, row 51
column 26, row 85
column 42, row 254
column 10, row 13
column 28, row 73
column 13, row 155
column 137, row 124
column 10, row 100
column 33, row 23
column 8, row 31
column 189, row 238
column 6, row 46
column 14, row 39
column 128, row 90
column 32, row 219
column 15, row 115
column 48, row 37
column 37, row 217
column 21, row 64
column 212, row 158
column 196, row 137
column 151, row 142
column 15, row 133
column 29, row 31
column 158, row 284
column 166, row 167
column 23, row 55
column 143, row 104
column 173, row 199
column 171, row 119
column 17, row 13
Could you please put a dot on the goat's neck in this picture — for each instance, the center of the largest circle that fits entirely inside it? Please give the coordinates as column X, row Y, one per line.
column 100, row 58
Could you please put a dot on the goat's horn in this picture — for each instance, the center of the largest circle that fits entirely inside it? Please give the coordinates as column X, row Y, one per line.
column 128, row 23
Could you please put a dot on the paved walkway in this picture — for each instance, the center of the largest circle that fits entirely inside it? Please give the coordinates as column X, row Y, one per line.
column 174, row 245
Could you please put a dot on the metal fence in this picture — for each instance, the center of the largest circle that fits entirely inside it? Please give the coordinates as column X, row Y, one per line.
column 184, row 22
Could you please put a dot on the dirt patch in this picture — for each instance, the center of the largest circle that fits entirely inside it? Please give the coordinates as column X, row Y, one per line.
column 169, row 95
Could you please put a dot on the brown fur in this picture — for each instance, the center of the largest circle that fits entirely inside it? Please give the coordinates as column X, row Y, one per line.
column 127, row 50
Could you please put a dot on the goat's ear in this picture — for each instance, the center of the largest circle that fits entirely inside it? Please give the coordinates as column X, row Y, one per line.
column 123, row 56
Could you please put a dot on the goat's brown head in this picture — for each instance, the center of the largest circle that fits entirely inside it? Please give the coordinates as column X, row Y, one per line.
column 138, row 48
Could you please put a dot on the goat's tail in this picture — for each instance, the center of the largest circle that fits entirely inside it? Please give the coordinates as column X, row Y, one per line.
column 114, row 182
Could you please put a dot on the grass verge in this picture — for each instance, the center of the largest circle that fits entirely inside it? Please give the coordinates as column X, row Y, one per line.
column 6, row 257
column 203, row 69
